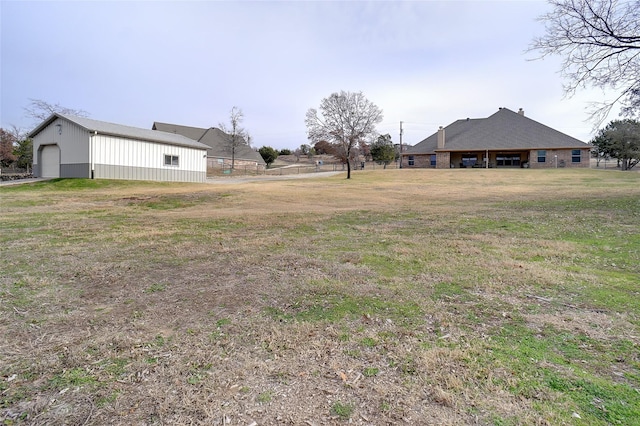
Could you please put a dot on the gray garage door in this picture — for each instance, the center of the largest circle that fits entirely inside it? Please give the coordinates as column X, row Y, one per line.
column 50, row 161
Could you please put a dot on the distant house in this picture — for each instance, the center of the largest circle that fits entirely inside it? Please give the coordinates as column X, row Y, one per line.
column 218, row 150
column 76, row 147
column 504, row 139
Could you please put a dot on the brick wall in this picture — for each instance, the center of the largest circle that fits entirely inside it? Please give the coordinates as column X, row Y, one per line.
column 443, row 160
column 419, row 161
column 564, row 159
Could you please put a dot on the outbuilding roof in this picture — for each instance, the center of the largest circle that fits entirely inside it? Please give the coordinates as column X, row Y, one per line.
column 504, row 129
column 215, row 139
column 112, row 129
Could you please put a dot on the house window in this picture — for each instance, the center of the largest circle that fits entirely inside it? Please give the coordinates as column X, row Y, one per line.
column 433, row 159
column 171, row 160
column 411, row 161
column 542, row 156
column 507, row 160
column 575, row 156
column 469, row 160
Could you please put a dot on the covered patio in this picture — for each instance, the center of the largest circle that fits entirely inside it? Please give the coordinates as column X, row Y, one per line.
column 490, row 159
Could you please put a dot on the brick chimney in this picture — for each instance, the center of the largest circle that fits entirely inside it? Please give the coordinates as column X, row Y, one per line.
column 441, row 137
column 521, row 112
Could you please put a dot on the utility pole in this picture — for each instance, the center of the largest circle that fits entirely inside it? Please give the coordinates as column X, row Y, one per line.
column 401, row 144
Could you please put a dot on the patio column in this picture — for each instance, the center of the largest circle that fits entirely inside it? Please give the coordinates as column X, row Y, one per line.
column 486, row 166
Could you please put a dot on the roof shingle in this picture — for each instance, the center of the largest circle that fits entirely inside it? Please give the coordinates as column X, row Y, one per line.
column 504, row 129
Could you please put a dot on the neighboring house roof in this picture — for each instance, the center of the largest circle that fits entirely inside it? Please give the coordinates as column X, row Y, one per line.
column 505, row 129
column 194, row 133
column 112, row 129
column 215, row 139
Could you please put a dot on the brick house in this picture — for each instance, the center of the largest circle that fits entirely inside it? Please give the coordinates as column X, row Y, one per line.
column 504, row 139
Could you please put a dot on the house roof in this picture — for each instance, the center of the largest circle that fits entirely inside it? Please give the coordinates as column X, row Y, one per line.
column 194, row 133
column 504, row 130
column 112, row 129
column 214, row 138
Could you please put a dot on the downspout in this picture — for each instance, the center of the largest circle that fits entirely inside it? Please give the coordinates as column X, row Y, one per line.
column 91, row 152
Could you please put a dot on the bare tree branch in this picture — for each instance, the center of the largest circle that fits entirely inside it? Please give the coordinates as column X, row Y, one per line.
column 600, row 43
column 40, row 110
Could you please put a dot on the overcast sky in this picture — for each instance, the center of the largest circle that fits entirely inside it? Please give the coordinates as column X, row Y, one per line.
column 426, row 63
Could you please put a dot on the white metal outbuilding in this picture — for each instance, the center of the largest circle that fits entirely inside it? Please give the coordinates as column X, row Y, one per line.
column 68, row 146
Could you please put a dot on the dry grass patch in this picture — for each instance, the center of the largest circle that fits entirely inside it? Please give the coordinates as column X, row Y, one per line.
column 417, row 296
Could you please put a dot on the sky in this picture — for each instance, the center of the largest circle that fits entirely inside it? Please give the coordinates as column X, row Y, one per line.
column 425, row 63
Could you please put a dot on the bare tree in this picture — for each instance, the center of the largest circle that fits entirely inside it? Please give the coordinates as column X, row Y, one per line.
column 600, row 43
column 18, row 132
column 40, row 110
column 345, row 119
column 234, row 134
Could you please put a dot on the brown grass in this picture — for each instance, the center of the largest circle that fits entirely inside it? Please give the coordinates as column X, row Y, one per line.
column 185, row 304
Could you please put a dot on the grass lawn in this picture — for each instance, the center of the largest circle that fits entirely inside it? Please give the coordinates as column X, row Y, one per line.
column 440, row 297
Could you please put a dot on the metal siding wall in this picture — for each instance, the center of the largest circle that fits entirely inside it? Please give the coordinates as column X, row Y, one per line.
column 106, row 171
column 74, row 146
column 75, row 170
column 120, row 158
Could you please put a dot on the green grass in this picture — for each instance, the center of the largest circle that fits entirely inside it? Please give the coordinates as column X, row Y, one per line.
column 115, row 367
column 222, row 322
column 342, row 410
column 335, row 307
column 19, row 295
column 72, row 377
column 265, row 397
column 166, row 203
column 370, row 371
column 571, row 365
column 60, row 184
column 156, row 287
column 369, row 342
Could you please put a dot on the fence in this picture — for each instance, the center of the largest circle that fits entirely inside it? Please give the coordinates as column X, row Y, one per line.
column 239, row 169
column 294, row 169
column 304, row 168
